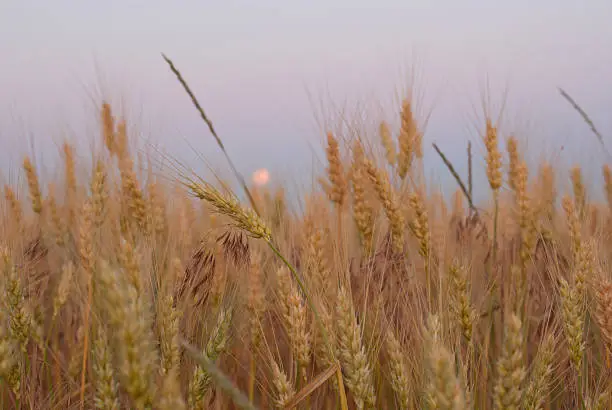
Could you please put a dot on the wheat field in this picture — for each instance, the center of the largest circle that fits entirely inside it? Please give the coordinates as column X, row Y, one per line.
column 128, row 285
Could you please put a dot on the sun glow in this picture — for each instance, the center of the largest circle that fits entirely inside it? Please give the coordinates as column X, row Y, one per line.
column 261, row 177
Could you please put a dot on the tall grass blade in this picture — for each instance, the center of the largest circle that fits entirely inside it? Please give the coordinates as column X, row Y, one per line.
column 208, row 122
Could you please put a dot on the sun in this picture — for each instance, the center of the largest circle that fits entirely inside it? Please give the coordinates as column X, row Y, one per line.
column 261, row 177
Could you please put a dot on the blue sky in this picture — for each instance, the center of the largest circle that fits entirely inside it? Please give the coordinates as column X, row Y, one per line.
column 257, row 67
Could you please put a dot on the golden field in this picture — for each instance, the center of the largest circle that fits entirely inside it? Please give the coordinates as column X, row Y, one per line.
column 129, row 285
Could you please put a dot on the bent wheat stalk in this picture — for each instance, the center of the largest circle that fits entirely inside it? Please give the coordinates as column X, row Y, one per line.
column 209, row 123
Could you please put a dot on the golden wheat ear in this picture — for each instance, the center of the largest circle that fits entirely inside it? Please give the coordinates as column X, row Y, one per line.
column 443, row 390
column 400, row 378
column 293, row 309
column 218, row 343
column 33, row 185
column 363, row 214
column 386, row 195
column 539, row 383
column 573, row 322
column 335, row 172
column 352, row 353
column 511, row 367
column 387, row 142
column 284, row 389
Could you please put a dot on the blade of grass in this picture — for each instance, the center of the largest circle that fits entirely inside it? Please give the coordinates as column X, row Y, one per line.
column 450, row 167
column 586, row 119
column 209, row 123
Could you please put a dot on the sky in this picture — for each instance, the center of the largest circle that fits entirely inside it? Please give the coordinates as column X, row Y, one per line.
column 269, row 73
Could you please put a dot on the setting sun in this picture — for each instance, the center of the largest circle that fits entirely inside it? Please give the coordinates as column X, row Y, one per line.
column 261, row 176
